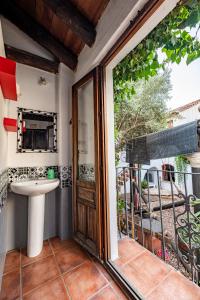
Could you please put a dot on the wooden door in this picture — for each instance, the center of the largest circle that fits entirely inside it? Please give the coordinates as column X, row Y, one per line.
column 86, row 163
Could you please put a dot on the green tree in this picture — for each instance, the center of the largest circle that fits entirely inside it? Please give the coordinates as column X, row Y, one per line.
column 172, row 37
column 146, row 112
column 141, row 90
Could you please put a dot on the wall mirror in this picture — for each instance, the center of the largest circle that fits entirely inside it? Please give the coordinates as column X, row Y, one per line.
column 37, row 131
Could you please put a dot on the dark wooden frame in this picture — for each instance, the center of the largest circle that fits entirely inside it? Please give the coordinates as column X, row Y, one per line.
column 30, row 59
column 93, row 75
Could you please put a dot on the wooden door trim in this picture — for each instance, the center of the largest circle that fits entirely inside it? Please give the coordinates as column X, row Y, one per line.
column 141, row 18
column 104, row 166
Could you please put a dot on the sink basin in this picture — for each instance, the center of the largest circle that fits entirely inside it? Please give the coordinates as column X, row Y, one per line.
column 35, row 190
column 34, row 187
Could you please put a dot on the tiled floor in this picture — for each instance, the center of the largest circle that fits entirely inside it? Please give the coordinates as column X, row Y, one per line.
column 62, row 271
column 154, row 279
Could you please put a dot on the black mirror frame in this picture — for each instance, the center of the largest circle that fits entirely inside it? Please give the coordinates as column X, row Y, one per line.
column 20, row 132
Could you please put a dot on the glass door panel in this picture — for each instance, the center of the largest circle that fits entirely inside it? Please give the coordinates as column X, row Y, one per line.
column 86, row 143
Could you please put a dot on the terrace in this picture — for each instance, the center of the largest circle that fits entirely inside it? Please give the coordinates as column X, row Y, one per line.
column 158, row 236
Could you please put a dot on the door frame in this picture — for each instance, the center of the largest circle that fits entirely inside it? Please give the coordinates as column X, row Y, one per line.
column 92, row 75
column 136, row 24
column 141, row 18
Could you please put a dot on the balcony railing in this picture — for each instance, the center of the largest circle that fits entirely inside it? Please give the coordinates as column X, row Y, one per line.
column 162, row 215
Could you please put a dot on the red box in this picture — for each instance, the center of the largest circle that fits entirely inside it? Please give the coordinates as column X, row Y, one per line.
column 10, row 124
column 8, row 78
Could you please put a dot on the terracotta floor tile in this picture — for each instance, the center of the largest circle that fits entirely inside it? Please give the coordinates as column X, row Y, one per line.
column 38, row 273
column 53, row 290
column 84, row 281
column 106, row 294
column 101, row 268
column 145, row 272
column 118, row 291
column 58, row 244
column 128, row 249
column 46, row 251
column 174, row 287
column 68, row 259
column 10, row 289
column 12, row 261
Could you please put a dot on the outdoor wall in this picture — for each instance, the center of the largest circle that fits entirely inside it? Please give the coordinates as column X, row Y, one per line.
column 188, row 115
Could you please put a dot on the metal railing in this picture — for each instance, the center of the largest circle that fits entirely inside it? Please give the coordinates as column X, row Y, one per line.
column 163, row 216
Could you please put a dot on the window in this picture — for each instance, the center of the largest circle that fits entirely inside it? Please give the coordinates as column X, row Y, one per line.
column 168, row 172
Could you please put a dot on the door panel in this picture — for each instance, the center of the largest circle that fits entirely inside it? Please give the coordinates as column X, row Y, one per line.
column 86, row 163
column 91, row 219
column 81, row 225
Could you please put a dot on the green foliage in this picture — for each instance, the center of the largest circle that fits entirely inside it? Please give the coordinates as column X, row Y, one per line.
column 181, row 162
column 172, row 37
column 145, row 113
column 120, row 206
column 144, row 184
column 142, row 79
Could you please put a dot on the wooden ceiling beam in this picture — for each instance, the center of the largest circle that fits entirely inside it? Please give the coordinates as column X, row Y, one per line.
column 73, row 18
column 38, row 33
column 27, row 58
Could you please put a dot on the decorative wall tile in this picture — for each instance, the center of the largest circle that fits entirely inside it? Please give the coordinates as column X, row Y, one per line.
column 87, row 172
column 65, row 175
column 3, row 188
column 20, row 174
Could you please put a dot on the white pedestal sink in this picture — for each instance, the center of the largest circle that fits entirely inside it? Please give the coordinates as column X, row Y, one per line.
column 35, row 190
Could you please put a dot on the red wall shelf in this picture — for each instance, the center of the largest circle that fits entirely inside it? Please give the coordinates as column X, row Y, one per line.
column 10, row 124
column 8, row 78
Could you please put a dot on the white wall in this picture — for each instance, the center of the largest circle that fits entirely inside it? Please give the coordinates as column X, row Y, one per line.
column 65, row 80
column 188, row 115
column 18, row 39
column 33, row 96
column 3, row 166
column 3, row 112
column 111, row 25
column 53, row 97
